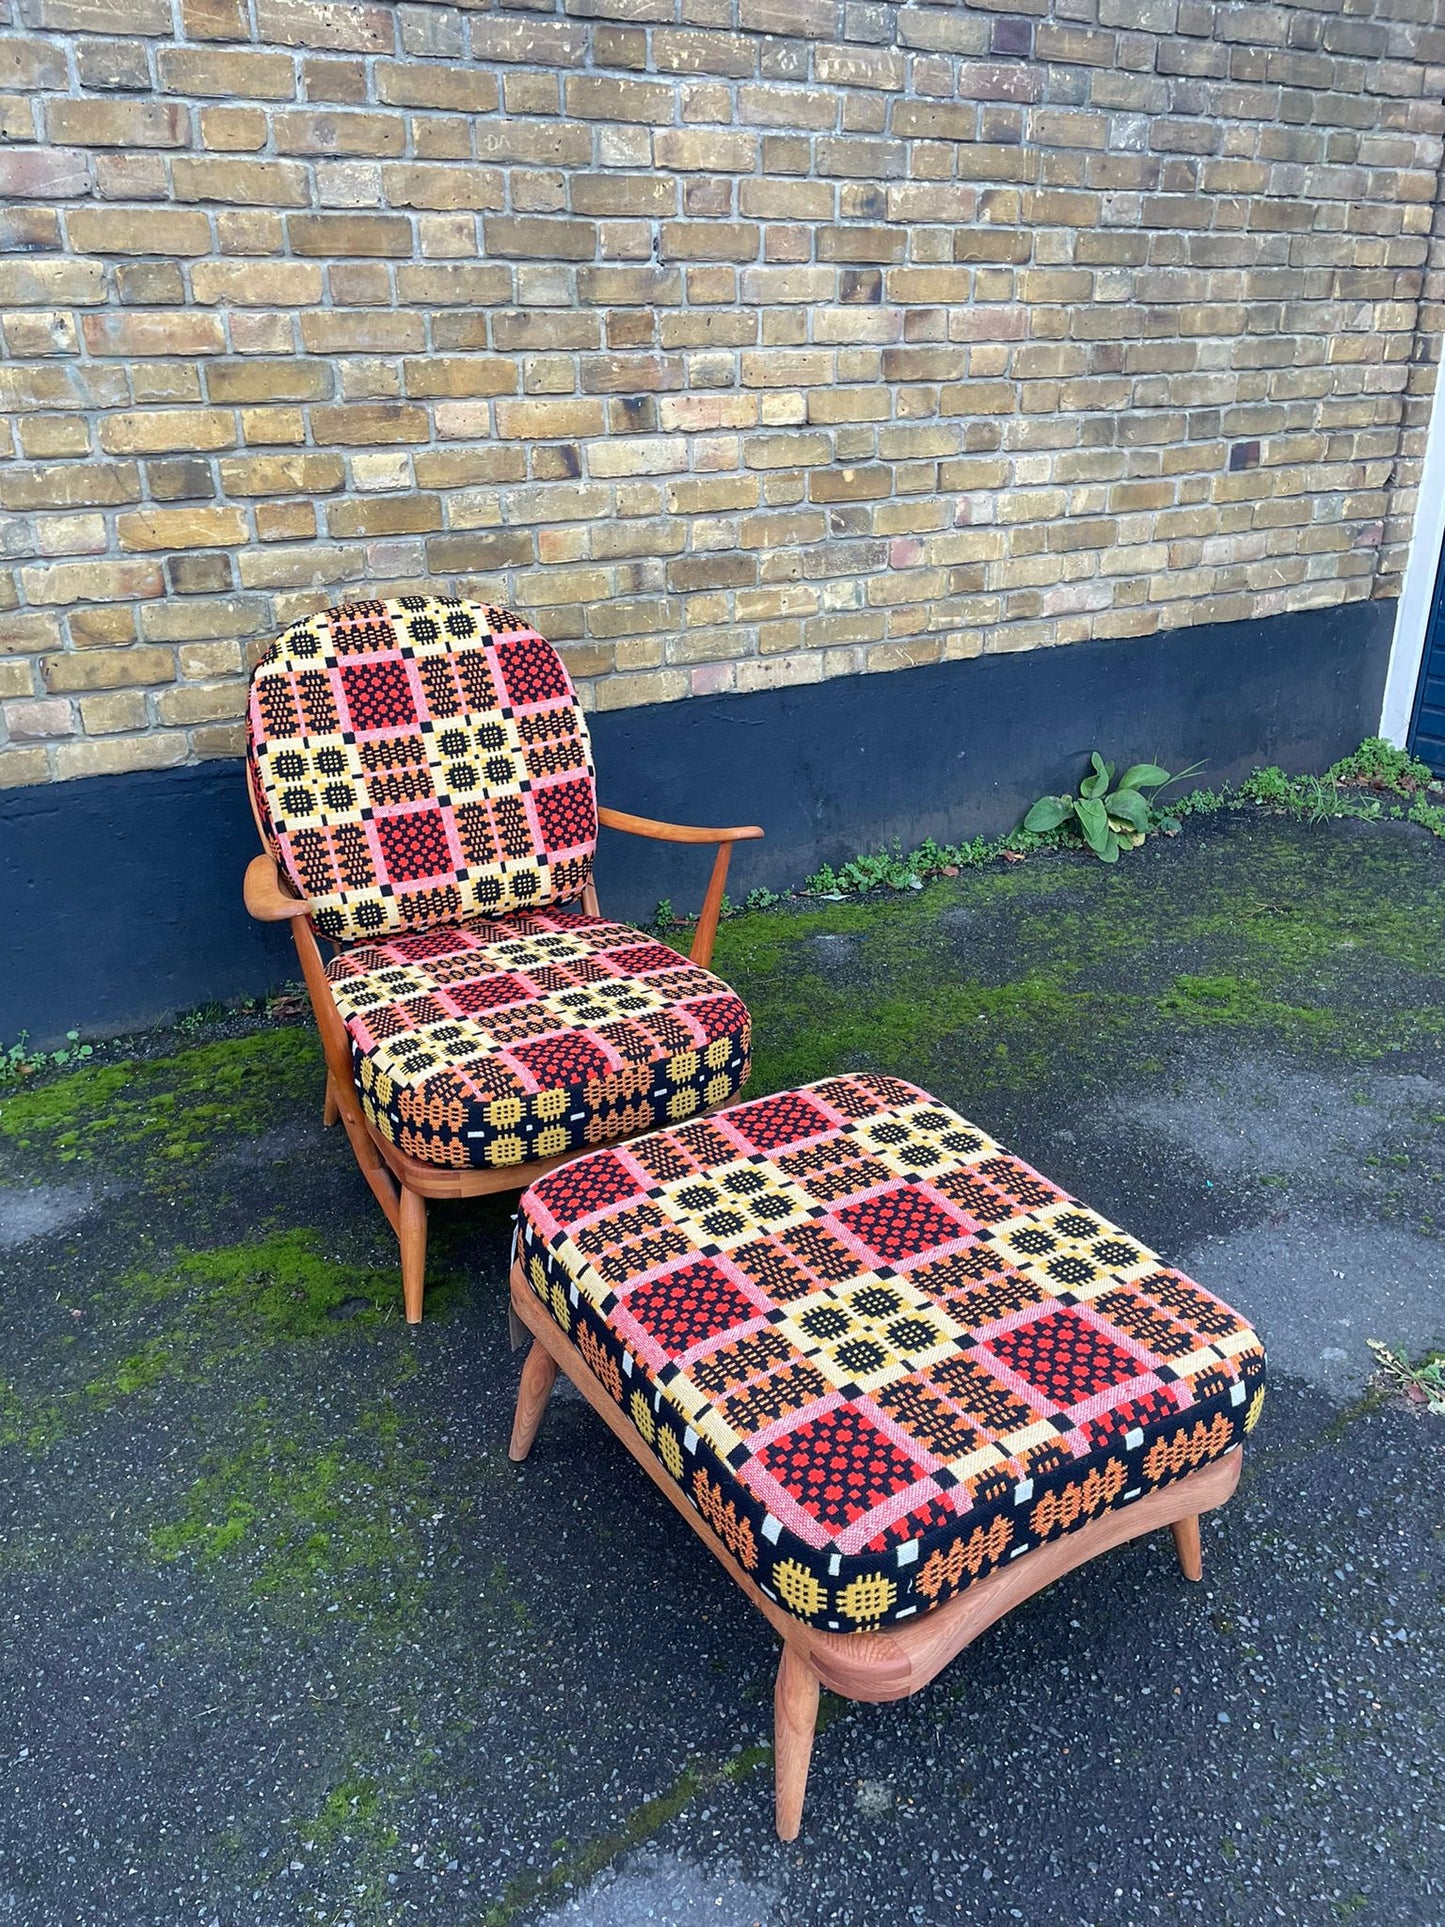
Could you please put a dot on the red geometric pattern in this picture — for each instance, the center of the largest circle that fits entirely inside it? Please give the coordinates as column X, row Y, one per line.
column 420, row 761
column 887, row 1354
column 498, row 1043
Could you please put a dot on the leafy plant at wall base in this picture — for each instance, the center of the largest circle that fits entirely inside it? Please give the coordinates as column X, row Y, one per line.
column 1109, row 819
column 19, row 1061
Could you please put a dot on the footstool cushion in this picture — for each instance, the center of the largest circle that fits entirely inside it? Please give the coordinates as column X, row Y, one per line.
column 879, row 1355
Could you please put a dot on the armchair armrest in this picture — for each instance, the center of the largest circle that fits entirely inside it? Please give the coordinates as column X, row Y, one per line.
column 673, row 832
column 268, row 895
column 706, row 932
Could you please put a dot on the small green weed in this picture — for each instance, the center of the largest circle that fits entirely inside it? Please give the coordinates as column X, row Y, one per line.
column 19, row 1062
column 1421, row 1381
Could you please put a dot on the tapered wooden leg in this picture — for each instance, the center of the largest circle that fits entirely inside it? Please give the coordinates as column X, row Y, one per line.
column 411, row 1230
column 1186, row 1544
column 330, row 1109
column 539, row 1374
column 795, row 1716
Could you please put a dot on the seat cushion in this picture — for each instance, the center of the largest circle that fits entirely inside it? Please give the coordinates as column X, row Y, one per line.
column 880, row 1355
column 504, row 1041
column 418, row 762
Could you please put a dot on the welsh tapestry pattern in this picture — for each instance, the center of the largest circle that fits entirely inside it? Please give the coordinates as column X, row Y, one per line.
column 878, row 1354
column 420, row 761
column 499, row 1043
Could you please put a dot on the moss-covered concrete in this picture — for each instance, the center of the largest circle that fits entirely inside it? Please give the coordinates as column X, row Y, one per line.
column 289, row 1640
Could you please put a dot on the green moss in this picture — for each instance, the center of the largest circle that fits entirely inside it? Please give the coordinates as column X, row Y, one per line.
column 351, row 1812
column 282, row 1288
column 1235, row 1000
column 1000, row 979
column 173, row 1108
column 578, row 1867
column 32, row 1424
column 309, row 1524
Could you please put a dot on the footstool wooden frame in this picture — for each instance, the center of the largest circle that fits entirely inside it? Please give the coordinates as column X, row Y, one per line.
column 897, row 1660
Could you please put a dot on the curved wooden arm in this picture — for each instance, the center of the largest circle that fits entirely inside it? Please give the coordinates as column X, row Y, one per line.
column 706, row 932
column 268, row 895
column 673, row 832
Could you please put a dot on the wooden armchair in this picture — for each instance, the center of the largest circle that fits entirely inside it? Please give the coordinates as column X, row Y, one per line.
column 422, row 782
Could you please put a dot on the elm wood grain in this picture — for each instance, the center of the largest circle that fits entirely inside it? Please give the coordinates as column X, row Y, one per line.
column 1186, row 1544
column 705, row 935
column 897, row 1660
column 401, row 1184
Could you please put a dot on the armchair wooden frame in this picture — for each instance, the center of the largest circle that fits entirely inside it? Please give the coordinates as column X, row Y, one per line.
column 402, row 1184
column 898, row 1660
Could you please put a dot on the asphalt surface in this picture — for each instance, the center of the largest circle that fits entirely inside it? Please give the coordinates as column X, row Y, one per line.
column 287, row 1640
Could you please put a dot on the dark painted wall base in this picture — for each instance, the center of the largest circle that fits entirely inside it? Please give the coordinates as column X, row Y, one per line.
column 122, row 894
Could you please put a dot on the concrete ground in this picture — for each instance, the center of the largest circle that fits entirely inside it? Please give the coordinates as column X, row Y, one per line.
column 287, row 1640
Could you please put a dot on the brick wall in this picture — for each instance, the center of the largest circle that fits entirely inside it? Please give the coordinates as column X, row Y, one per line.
column 738, row 342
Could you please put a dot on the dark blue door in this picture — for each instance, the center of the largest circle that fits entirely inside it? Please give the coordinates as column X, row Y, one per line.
column 1427, row 725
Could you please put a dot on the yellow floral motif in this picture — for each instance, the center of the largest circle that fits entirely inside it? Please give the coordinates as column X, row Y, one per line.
column 865, row 1599
column 669, row 1450
column 538, row 1276
column 684, row 1064
column 551, row 1142
column 682, row 1103
column 798, row 1589
column 549, row 1105
column 1256, row 1406
column 718, row 1052
column 641, row 1417
column 559, row 1304
column 718, row 1089
column 505, row 1150
column 503, row 1111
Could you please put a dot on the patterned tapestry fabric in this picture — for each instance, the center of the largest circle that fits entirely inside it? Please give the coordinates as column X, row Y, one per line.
column 503, row 1041
column 419, row 762
column 878, row 1354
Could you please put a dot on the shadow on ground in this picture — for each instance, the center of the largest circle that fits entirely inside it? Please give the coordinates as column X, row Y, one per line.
column 287, row 1640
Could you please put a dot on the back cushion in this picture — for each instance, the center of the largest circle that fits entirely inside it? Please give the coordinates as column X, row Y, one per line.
column 418, row 762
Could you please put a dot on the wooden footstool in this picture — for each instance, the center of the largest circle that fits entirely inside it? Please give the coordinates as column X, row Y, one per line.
column 894, row 1379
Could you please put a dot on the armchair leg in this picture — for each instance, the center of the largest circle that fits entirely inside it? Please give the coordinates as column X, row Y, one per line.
column 795, row 1718
column 539, row 1374
column 331, row 1109
column 411, row 1230
column 1186, row 1544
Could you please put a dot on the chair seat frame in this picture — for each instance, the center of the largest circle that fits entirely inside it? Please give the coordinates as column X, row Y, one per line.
column 897, row 1660
column 402, row 1185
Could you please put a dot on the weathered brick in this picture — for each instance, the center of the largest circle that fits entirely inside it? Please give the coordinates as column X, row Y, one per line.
column 188, row 528
column 337, row 24
column 69, row 485
column 301, row 474
column 226, row 74
column 136, row 333
column 363, row 423
column 64, row 582
column 138, row 230
column 153, row 431
column 257, row 284
column 117, row 123
column 341, row 234
column 100, row 16
column 240, row 182
column 36, row 174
